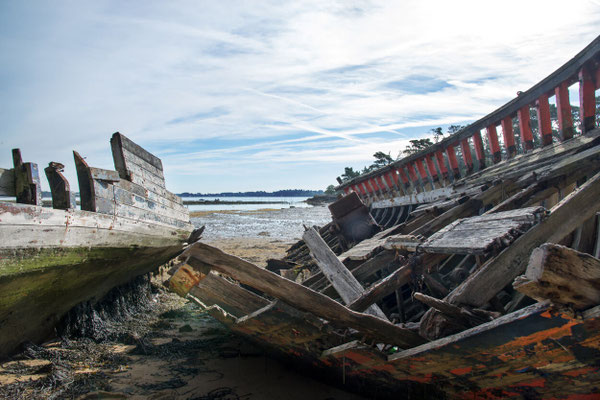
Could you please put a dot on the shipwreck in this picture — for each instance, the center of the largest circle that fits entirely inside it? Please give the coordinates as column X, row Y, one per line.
column 53, row 258
column 467, row 270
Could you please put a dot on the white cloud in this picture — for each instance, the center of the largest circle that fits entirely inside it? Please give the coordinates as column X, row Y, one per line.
column 293, row 83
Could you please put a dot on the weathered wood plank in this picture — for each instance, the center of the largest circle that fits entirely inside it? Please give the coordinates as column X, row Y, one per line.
column 202, row 256
column 562, row 275
column 342, row 280
column 386, row 286
column 500, row 271
column 143, row 177
column 287, row 329
column 104, row 175
column 7, row 182
column 234, row 299
column 478, row 235
column 28, row 187
column 458, row 315
column 165, row 198
column 108, row 206
column 120, row 142
column 62, row 197
column 121, row 196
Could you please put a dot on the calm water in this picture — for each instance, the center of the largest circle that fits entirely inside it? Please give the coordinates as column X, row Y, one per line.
column 283, row 224
column 266, row 202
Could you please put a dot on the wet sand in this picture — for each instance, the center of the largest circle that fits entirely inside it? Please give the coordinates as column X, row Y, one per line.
column 171, row 350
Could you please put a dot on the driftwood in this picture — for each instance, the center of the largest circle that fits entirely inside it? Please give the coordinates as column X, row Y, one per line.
column 204, row 258
column 562, row 275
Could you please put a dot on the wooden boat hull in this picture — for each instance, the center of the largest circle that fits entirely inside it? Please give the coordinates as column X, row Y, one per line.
column 51, row 260
column 536, row 352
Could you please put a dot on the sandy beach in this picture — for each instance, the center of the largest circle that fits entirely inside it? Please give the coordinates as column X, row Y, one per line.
column 170, row 349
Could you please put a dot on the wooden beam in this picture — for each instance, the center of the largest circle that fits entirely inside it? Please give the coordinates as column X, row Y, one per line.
column 28, row 187
column 509, row 137
column 544, row 121
column 203, row 258
column 563, row 108
column 459, row 315
column 62, row 197
column 394, row 281
column 587, row 100
column 340, row 277
column 561, row 275
column 492, row 135
column 525, row 128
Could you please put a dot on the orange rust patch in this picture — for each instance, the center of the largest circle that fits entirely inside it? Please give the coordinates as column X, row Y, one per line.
column 580, row 371
column 461, row 371
column 540, row 382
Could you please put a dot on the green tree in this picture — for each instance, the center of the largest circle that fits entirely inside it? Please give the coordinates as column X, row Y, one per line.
column 417, row 145
column 382, row 159
column 330, row 190
column 349, row 173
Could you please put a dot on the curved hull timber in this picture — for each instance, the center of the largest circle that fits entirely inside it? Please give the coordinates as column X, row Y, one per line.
column 51, row 260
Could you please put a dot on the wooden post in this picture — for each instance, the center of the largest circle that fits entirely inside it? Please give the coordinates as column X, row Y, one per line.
column 423, row 174
column 453, row 161
column 479, row 149
column 525, row 128
column 563, row 108
column 413, row 177
column 404, row 178
column 587, row 100
column 204, row 258
column 432, row 171
column 544, row 121
column 28, row 187
column 441, row 163
column 62, row 197
column 509, row 137
column 492, row 135
column 466, row 152
column 340, row 277
column 562, row 275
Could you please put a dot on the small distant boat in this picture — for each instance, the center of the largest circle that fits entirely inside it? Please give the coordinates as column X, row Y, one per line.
column 51, row 259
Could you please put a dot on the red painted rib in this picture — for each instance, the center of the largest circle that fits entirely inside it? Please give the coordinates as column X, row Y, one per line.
column 587, row 100
column 509, row 137
column 544, row 122
column 431, row 167
column 403, row 176
column 452, row 160
column 525, row 128
column 563, row 106
column 479, row 150
column 466, row 151
column 494, row 144
column 412, row 173
column 441, row 163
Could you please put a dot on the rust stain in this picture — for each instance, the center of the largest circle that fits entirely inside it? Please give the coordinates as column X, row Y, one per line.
column 580, row 371
column 461, row 371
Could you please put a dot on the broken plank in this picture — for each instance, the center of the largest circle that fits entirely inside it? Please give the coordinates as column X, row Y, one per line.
column 232, row 298
column 501, row 270
column 203, row 257
column 479, row 235
column 561, row 275
column 342, row 280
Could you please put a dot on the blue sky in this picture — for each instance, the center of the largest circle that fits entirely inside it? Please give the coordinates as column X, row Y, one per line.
column 259, row 95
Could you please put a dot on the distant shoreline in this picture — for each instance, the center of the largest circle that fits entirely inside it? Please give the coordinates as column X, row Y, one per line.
column 229, row 202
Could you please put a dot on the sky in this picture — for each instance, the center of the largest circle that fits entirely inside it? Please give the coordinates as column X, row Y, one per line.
column 265, row 95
